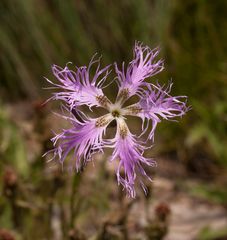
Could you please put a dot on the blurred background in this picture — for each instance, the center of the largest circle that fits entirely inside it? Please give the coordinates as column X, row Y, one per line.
column 188, row 197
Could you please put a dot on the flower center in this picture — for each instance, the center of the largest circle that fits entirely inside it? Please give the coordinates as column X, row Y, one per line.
column 115, row 113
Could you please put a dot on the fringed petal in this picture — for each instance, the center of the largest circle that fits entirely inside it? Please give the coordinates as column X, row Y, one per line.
column 84, row 138
column 79, row 87
column 129, row 151
column 156, row 104
column 141, row 67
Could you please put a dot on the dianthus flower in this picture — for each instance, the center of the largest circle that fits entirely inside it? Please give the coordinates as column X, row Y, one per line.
column 87, row 135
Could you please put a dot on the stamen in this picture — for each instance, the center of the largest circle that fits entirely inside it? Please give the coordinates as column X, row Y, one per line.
column 115, row 113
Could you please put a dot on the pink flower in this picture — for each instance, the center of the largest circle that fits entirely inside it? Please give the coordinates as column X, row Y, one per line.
column 87, row 135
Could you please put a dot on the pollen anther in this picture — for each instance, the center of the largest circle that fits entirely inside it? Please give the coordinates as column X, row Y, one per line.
column 115, row 113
